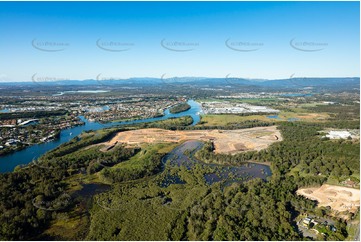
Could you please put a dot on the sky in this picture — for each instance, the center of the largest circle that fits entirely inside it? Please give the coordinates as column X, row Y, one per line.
column 111, row 40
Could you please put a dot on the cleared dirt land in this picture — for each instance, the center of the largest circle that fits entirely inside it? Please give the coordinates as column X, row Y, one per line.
column 338, row 198
column 225, row 141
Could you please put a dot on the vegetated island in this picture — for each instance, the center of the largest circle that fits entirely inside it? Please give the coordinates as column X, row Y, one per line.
column 180, row 108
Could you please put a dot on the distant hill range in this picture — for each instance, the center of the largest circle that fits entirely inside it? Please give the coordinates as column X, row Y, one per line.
column 298, row 83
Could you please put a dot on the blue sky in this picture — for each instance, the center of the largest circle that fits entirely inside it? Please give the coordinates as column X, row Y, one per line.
column 244, row 39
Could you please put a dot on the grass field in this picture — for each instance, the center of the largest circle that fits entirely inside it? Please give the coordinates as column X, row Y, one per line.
column 287, row 111
column 224, row 119
column 138, row 160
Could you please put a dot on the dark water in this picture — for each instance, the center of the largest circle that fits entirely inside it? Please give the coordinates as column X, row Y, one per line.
column 89, row 190
column 273, row 116
column 242, row 173
column 9, row 162
column 171, row 179
column 183, row 155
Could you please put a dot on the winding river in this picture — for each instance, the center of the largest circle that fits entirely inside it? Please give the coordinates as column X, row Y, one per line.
column 25, row 156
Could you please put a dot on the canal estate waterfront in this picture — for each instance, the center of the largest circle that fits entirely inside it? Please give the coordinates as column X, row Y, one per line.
column 9, row 162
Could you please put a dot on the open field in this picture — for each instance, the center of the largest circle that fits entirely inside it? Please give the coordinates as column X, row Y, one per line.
column 310, row 116
column 225, row 141
column 224, row 119
column 338, row 198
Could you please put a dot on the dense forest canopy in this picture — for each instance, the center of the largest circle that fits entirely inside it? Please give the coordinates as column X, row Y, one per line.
column 180, row 108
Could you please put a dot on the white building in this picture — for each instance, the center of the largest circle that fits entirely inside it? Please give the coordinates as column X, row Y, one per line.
column 338, row 134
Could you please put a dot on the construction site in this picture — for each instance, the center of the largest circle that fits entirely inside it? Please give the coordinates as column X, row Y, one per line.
column 225, row 141
column 339, row 198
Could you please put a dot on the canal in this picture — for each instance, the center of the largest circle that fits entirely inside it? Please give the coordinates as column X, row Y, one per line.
column 25, row 156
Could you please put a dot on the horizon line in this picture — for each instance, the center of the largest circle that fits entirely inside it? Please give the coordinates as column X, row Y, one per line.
column 51, row 79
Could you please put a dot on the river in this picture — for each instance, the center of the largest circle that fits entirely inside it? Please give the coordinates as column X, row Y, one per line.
column 25, row 156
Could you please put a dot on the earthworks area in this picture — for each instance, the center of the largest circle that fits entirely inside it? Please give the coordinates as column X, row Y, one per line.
column 225, row 141
column 337, row 197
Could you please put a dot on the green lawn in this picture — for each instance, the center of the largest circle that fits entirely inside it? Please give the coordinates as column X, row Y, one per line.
column 224, row 119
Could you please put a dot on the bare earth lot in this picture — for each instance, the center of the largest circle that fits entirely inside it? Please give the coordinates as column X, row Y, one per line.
column 338, row 198
column 225, row 141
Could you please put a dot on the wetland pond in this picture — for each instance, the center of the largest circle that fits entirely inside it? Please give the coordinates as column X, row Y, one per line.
column 89, row 190
column 183, row 155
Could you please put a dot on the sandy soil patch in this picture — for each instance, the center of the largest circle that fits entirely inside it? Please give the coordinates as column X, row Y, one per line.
column 225, row 141
column 338, row 198
column 313, row 116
